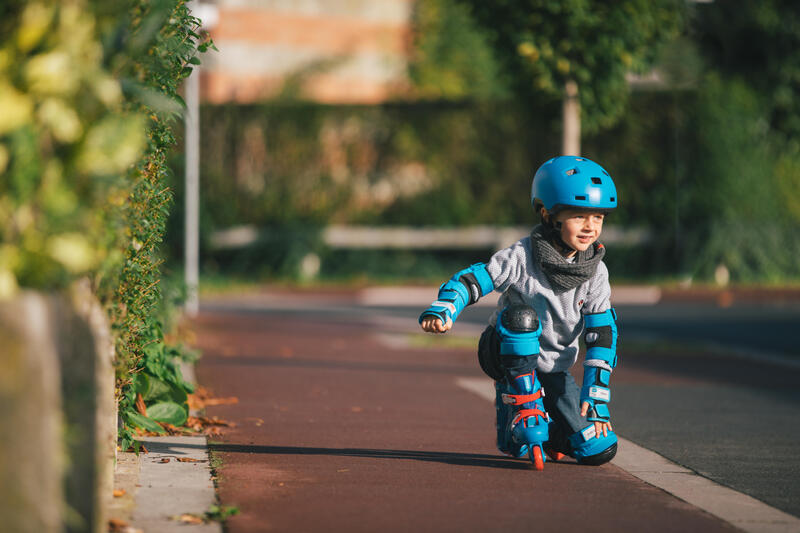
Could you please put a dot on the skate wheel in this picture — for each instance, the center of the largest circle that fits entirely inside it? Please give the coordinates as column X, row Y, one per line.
column 554, row 455
column 537, row 457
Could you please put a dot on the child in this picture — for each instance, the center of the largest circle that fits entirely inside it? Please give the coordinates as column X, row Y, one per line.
column 555, row 286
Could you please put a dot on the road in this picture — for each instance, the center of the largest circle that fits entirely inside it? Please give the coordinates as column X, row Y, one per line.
column 347, row 421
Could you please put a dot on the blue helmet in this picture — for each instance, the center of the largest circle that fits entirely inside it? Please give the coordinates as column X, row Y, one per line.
column 573, row 182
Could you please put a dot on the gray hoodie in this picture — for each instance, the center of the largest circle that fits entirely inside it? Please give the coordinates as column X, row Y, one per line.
column 519, row 277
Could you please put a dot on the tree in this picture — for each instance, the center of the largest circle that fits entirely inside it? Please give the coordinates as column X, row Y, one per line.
column 579, row 51
column 451, row 58
column 758, row 43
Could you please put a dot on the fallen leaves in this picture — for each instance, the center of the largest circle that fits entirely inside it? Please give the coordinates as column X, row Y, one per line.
column 181, row 460
column 208, row 426
column 188, row 518
column 202, row 398
column 115, row 525
column 194, row 425
column 215, row 513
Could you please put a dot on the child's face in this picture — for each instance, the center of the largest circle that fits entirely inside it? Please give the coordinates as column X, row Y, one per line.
column 580, row 229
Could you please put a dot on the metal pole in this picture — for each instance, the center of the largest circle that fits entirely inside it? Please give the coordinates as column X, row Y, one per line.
column 192, row 228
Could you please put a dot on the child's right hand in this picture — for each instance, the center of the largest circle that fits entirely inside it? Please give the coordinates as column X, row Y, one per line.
column 433, row 324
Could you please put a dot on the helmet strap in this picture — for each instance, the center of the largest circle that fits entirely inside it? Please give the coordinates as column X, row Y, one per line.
column 552, row 232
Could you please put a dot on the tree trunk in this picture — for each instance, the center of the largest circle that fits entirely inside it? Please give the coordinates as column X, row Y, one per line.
column 571, row 117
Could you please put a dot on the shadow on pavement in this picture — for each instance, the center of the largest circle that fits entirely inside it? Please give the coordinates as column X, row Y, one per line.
column 360, row 366
column 460, row 459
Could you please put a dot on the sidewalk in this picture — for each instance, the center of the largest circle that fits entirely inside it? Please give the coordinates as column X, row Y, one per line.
column 168, row 489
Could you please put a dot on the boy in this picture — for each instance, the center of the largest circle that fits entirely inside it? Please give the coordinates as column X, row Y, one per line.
column 554, row 287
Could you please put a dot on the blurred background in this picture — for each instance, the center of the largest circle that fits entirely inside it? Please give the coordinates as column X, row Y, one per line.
column 326, row 125
column 352, row 143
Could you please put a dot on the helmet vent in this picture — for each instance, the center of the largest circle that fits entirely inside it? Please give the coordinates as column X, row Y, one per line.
column 597, row 181
column 571, row 172
column 612, row 198
column 580, row 198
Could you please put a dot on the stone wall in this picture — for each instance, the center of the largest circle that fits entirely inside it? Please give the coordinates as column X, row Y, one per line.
column 57, row 409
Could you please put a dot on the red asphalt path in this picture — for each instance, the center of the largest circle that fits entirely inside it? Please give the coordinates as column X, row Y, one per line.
column 335, row 431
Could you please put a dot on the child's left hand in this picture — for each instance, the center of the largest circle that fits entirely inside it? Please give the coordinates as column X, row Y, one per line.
column 601, row 428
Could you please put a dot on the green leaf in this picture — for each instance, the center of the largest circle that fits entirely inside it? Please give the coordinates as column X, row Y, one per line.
column 141, row 384
column 156, row 389
column 169, row 412
column 144, row 422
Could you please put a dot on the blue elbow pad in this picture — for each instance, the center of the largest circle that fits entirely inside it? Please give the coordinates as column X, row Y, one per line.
column 601, row 358
column 464, row 288
column 601, row 338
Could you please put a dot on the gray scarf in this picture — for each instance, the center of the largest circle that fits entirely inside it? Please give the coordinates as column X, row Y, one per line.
column 562, row 275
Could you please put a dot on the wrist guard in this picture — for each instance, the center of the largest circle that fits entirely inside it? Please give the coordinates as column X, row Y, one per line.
column 601, row 358
column 464, row 288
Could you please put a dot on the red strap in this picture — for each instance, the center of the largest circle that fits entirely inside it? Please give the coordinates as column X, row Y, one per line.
column 519, row 399
column 523, row 414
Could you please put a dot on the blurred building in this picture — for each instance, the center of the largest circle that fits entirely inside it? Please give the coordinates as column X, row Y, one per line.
column 332, row 51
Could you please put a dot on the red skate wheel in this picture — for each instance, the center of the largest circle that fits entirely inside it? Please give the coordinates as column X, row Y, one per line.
column 537, row 457
column 554, row 455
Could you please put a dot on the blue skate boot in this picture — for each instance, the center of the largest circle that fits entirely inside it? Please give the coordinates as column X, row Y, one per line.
column 521, row 418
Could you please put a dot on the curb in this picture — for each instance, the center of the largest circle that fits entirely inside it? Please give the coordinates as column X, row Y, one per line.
column 735, row 508
column 172, row 480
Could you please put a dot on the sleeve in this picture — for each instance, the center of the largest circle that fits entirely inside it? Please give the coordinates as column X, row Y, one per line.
column 507, row 266
column 598, row 300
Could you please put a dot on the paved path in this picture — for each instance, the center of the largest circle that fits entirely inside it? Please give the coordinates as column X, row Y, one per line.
column 340, row 429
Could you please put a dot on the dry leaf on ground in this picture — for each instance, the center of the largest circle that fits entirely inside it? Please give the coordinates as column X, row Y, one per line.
column 188, row 518
column 202, row 398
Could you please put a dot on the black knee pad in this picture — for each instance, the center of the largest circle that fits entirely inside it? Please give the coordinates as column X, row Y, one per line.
column 520, row 318
column 489, row 354
column 517, row 319
column 600, row 458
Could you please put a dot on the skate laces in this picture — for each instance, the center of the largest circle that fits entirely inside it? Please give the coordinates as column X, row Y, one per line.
column 525, row 413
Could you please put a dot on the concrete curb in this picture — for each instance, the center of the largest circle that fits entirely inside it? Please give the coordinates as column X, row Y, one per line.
column 171, row 480
column 174, row 479
column 738, row 509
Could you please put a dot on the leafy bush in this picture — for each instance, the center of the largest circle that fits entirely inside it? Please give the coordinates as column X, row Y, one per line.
column 87, row 91
column 684, row 162
column 153, row 74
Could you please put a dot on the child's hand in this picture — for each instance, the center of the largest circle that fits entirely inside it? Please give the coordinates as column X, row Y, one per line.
column 601, row 428
column 433, row 324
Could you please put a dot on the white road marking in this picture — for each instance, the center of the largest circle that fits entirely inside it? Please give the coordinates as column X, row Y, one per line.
column 738, row 509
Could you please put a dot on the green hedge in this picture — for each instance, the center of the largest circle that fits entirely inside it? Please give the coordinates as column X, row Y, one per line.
column 689, row 165
column 88, row 91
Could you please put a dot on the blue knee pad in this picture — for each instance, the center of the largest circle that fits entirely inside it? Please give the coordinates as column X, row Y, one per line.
column 519, row 329
column 589, row 449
